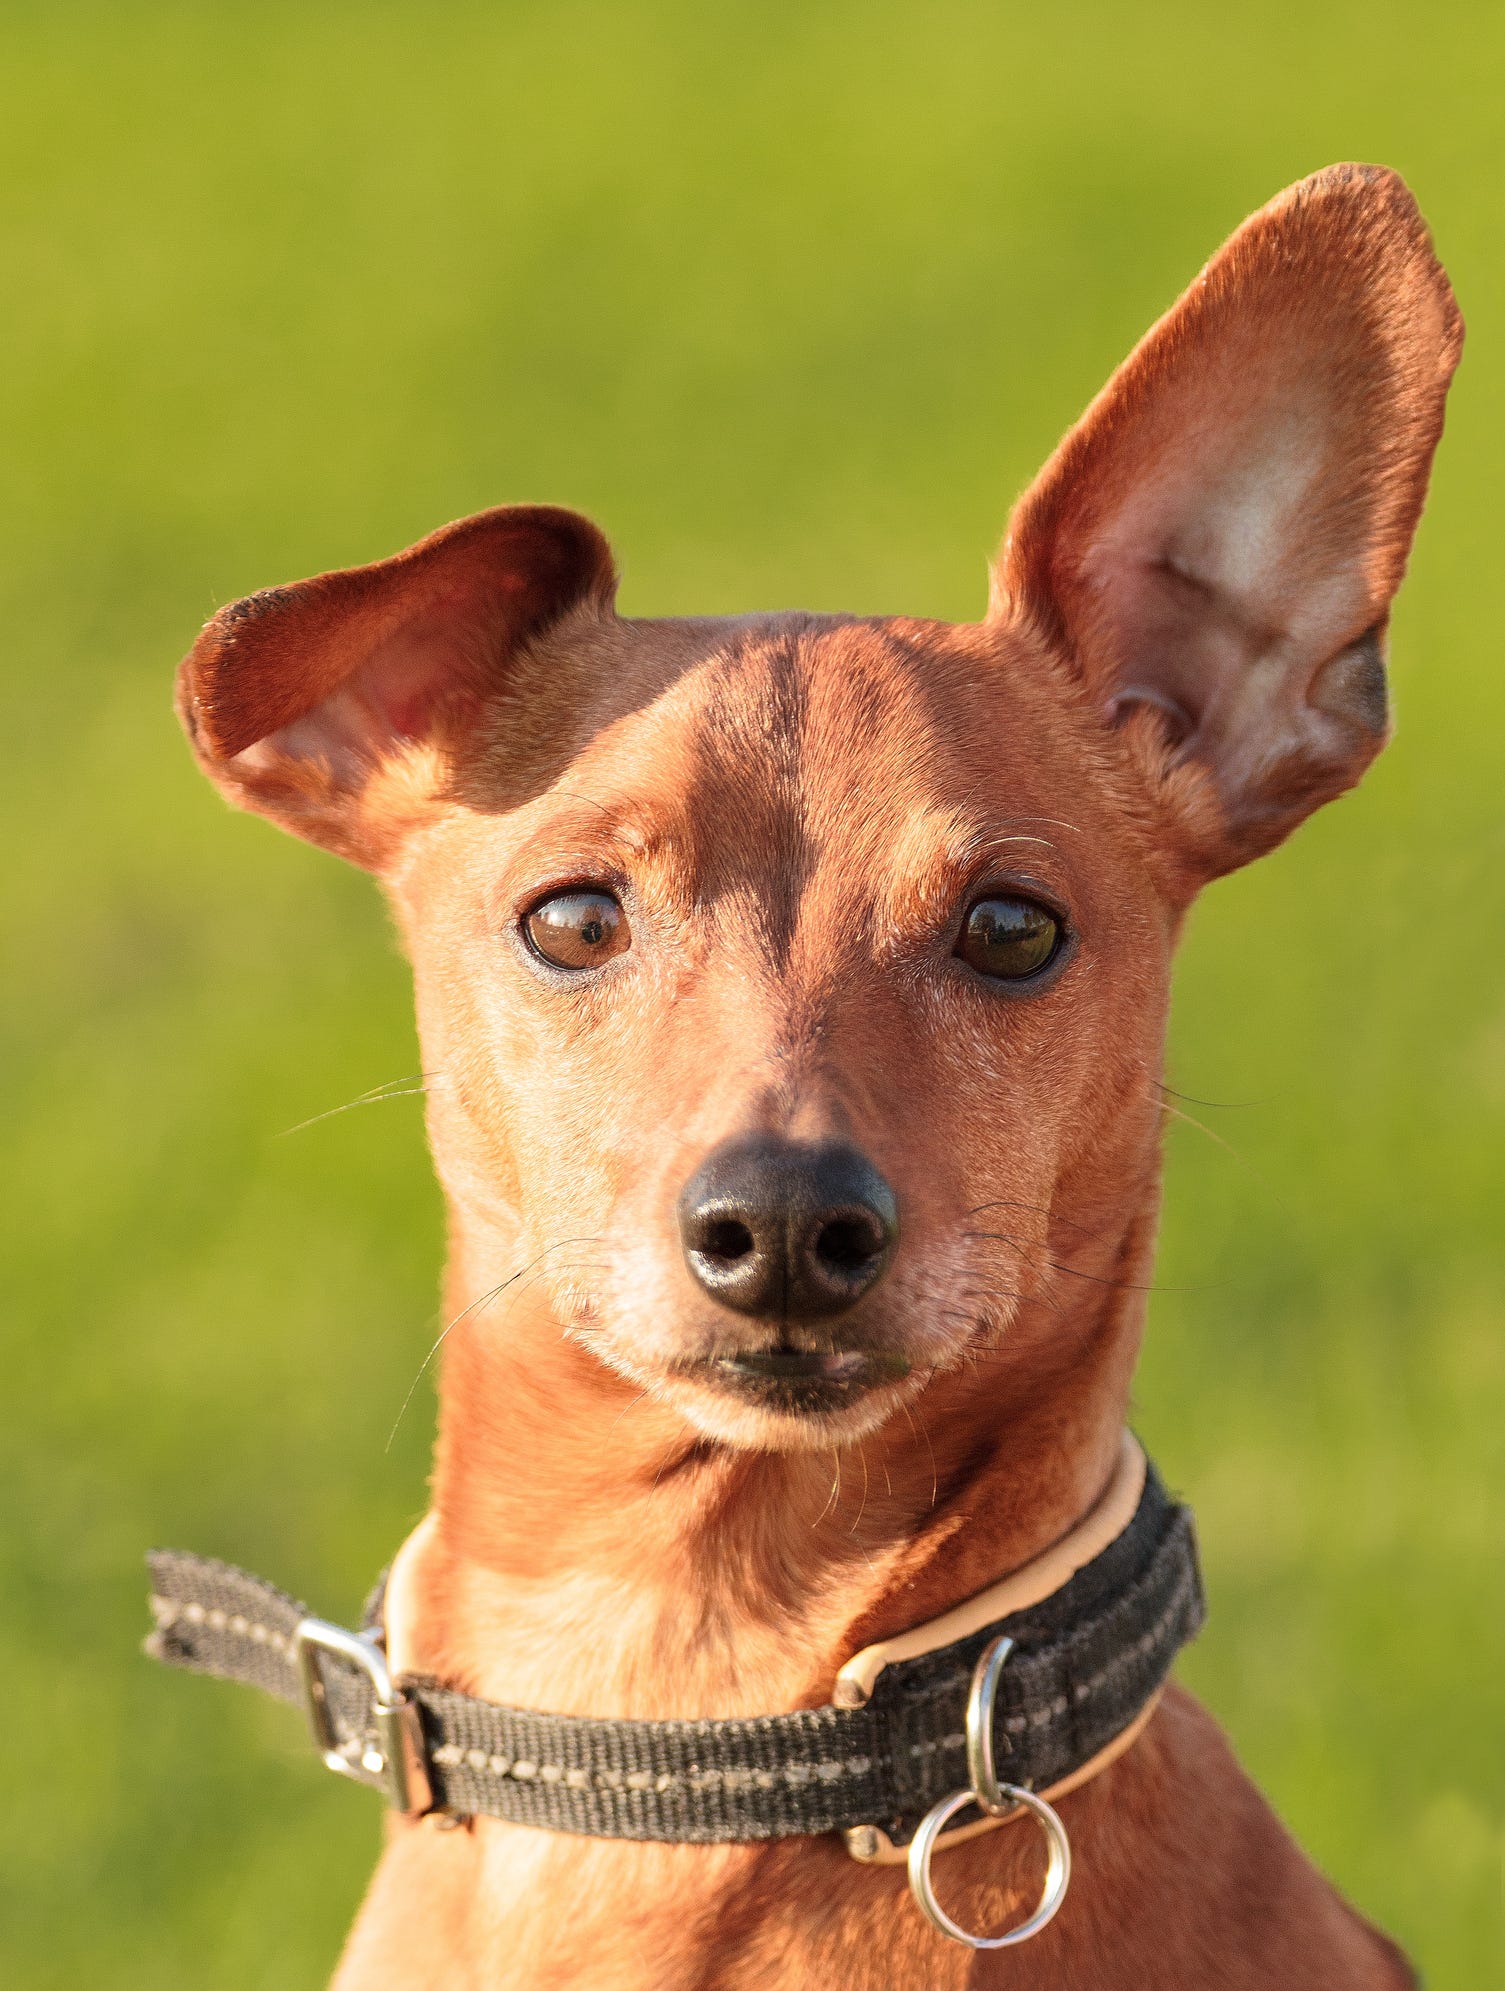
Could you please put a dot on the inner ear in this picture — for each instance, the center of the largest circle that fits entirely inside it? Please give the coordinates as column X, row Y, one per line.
column 296, row 698
column 1216, row 544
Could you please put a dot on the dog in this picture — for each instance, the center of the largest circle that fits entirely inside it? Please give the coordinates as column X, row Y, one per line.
column 791, row 991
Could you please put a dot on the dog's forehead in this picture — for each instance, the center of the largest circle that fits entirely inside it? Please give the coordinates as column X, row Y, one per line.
column 841, row 733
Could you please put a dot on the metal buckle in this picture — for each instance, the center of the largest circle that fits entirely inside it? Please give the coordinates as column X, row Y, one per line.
column 401, row 1759
column 998, row 1800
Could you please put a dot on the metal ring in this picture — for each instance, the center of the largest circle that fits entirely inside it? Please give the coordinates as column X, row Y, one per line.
column 981, row 1702
column 1057, row 1871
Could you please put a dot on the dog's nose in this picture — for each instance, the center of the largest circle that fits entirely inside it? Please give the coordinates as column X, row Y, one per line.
column 791, row 1230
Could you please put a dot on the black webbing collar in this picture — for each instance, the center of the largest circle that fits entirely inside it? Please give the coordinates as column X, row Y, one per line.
column 1086, row 1661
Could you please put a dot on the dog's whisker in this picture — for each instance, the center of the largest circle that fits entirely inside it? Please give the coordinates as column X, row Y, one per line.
column 1176, row 1113
column 631, row 1404
column 396, row 1088
column 1036, row 1209
column 571, row 795
column 862, row 1504
column 1216, row 1105
column 1069, row 1271
column 1123, row 1285
column 483, row 1300
column 833, row 1498
column 1050, row 822
column 921, row 1429
column 1102, row 1279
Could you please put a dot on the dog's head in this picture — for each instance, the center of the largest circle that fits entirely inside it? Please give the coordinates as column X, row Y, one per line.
column 792, row 987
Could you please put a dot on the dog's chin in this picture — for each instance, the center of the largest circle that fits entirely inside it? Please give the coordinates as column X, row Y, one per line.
column 790, row 1401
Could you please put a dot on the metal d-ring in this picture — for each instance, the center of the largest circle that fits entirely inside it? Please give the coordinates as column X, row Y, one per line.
column 401, row 1760
column 998, row 1799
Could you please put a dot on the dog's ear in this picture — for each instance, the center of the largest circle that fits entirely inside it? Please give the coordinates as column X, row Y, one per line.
column 1215, row 545
column 300, row 700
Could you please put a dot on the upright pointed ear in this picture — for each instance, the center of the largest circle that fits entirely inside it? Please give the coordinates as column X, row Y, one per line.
column 1215, row 545
column 328, row 705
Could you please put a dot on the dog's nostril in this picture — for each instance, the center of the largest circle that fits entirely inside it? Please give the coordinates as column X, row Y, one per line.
column 849, row 1243
column 726, row 1240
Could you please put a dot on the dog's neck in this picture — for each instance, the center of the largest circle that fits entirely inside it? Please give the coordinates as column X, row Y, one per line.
column 589, row 1555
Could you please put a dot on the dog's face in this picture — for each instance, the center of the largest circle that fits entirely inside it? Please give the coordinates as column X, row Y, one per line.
column 791, row 988
column 771, row 1012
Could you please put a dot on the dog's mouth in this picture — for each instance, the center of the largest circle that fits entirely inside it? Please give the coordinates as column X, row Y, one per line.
column 799, row 1382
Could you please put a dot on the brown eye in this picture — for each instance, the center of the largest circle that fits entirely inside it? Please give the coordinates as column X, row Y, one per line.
column 1009, row 938
column 578, row 929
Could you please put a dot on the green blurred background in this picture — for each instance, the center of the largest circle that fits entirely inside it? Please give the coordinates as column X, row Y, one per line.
column 792, row 298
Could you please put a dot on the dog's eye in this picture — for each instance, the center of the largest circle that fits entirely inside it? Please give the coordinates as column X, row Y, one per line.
column 1009, row 938
column 579, row 929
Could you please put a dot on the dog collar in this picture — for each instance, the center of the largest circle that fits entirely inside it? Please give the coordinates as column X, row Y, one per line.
column 1088, row 1633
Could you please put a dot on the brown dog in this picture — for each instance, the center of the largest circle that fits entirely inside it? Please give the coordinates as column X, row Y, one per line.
column 696, row 906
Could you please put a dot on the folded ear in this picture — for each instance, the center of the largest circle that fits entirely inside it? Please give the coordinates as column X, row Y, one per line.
column 1216, row 543
column 299, row 700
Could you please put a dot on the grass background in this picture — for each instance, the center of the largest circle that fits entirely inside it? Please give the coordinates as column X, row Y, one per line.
column 793, row 298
